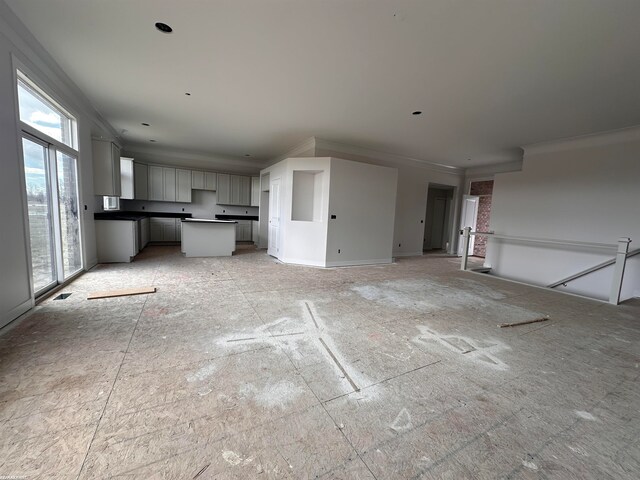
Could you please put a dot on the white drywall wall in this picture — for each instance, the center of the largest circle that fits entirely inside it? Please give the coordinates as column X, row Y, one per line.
column 19, row 48
column 586, row 190
column 411, row 197
column 362, row 197
column 305, row 242
column 15, row 292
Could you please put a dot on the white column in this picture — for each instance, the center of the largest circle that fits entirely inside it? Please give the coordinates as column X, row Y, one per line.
column 618, row 270
column 466, row 237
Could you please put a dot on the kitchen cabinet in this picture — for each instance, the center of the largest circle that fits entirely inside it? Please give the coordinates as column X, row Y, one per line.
column 140, row 181
column 255, row 191
column 254, row 232
column 223, row 195
column 197, row 180
column 106, row 168
column 116, row 240
column 164, row 229
column 143, row 233
column 233, row 190
column 163, row 184
column 126, row 178
column 183, row 185
column 210, row 181
column 243, row 231
column 134, row 179
column 203, row 181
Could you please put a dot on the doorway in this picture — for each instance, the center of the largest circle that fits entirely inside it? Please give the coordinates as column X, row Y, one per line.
column 437, row 225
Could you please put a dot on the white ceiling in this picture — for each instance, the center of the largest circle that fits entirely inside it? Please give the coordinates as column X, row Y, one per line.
column 489, row 75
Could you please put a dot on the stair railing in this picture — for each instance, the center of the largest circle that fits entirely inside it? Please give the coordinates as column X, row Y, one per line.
column 621, row 248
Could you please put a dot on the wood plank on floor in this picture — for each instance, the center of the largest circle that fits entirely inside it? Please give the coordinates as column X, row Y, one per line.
column 121, row 293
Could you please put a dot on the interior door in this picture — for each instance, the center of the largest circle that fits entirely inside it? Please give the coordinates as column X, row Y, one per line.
column 468, row 218
column 274, row 218
column 437, row 231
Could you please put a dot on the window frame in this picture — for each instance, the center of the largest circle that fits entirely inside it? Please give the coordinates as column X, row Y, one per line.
column 23, row 130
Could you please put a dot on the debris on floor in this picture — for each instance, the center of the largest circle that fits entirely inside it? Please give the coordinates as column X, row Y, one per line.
column 526, row 322
column 121, row 293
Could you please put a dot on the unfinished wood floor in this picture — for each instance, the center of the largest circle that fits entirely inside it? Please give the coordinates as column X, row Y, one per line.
column 244, row 368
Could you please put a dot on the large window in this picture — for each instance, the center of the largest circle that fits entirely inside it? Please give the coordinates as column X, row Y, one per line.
column 51, row 181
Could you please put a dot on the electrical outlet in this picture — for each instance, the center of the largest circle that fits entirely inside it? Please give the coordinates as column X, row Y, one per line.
column 399, row 244
column 143, row 207
column 183, row 209
column 338, row 250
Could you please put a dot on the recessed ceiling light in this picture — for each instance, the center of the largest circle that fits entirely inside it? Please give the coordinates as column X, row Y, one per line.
column 163, row 27
column 145, row 124
column 153, row 141
column 417, row 112
column 247, row 154
column 187, row 94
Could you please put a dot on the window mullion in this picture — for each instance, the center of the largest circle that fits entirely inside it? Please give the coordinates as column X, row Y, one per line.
column 55, row 207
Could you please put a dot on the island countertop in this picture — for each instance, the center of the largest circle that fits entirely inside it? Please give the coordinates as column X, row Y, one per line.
column 207, row 220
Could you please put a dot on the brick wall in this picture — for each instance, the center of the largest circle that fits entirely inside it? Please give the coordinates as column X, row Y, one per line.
column 484, row 189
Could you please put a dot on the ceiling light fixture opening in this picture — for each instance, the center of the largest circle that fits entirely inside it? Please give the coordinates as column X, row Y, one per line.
column 247, row 154
column 153, row 141
column 187, row 94
column 163, row 27
column 417, row 112
column 145, row 124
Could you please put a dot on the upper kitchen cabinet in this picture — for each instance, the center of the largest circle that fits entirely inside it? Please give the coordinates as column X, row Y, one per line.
column 134, row 180
column 203, row 181
column 126, row 178
column 183, row 185
column 140, row 181
column 106, row 168
column 233, row 190
column 169, row 184
column 255, row 191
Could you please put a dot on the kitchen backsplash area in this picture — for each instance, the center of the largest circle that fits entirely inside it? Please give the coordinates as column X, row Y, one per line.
column 203, row 205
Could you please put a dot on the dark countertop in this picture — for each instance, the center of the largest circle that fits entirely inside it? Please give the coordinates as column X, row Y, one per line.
column 236, row 217
column 133, row 216
column 206, row 220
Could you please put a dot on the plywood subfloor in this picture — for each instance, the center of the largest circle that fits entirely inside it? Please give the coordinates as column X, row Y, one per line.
column 246, row 368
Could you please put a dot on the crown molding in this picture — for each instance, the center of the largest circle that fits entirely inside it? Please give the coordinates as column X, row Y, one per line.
column 193, row 159
column 385, row 156
column 295, row 151
column 610, row 137
column 489, row 170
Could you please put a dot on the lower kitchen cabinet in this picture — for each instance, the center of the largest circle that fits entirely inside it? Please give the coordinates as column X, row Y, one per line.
column 243, row 231
column 116, row 240
column 165, row 229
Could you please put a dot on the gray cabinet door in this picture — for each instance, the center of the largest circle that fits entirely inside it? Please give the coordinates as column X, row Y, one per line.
column 223, row 195
column 210, row 181
column 156, row 183
column 183, row 185
column 169, row 183
column 141, row 181
column 197, row 180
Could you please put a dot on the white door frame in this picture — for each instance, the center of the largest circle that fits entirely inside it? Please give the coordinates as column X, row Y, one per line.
column 468, row 218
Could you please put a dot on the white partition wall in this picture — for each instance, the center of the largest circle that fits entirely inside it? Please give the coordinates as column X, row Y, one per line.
column 334, row 212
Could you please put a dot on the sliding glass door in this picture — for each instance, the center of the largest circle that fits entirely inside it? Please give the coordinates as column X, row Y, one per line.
column 39, row 205
column 51, row 182
column 68, row 208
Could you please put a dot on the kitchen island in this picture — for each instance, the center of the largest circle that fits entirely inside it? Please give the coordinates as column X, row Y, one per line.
column 208, row 238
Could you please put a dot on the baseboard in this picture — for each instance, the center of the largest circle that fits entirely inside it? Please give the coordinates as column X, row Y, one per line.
column 297, row 261
column 14, row 313
column 356, row 263
column 409, row 254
